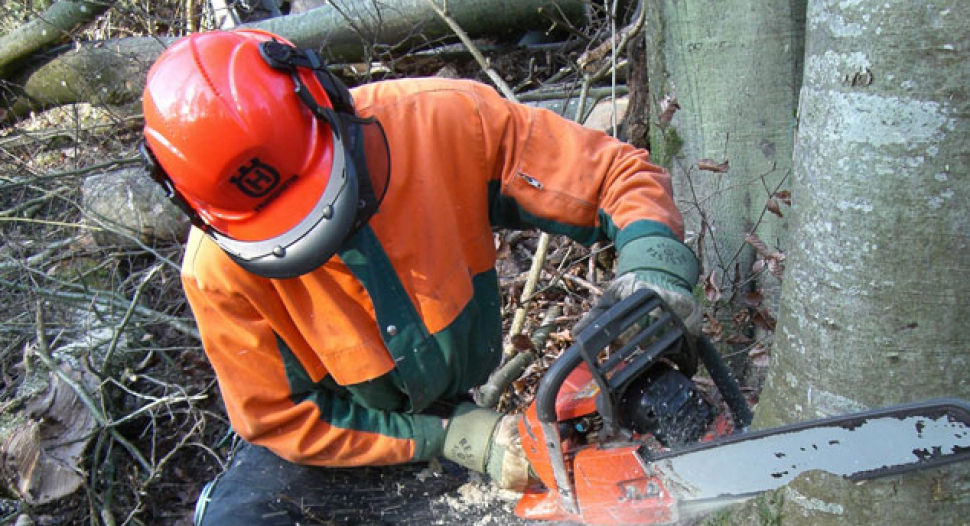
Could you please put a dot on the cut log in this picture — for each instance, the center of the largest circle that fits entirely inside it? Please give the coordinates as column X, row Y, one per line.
column 40, row 458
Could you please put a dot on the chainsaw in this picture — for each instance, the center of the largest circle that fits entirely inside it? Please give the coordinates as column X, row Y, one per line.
column 619, row 433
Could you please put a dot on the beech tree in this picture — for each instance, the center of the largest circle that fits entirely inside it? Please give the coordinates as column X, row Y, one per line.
column 724, row 79
column 874, row 303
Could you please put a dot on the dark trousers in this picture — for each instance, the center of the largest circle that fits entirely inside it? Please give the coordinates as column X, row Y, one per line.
column 260, row 489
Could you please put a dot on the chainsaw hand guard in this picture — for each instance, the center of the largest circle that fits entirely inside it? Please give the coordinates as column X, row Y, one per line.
column 664, row 339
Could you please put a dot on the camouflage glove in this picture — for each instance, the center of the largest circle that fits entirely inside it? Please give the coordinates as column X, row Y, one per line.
column 488, row 442
column 666, row 266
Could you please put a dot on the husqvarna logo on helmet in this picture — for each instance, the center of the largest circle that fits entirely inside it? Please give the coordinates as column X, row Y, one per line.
column 256, row 179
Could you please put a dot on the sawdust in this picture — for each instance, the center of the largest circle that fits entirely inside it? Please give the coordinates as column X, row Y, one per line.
column 477, row 495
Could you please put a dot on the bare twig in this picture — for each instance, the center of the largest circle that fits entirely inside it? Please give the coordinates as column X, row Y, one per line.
column 120, row 327
column 518, row 320
column 473, row 49
column 182, row 325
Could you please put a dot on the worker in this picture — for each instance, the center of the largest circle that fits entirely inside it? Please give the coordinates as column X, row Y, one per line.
column 341, row 264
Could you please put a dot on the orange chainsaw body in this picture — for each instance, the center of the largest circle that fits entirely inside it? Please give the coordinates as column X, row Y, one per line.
column 620, row 433
column 611, row 484
column 580, row 441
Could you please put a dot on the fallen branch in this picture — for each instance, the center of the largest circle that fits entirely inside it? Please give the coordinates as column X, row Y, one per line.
column 120, row 327
column 346, row 34
column 185, row 326
column 489, row 394
column 538, row 260
column 50, row 28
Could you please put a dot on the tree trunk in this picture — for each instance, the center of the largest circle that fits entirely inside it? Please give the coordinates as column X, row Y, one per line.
column 874, row 306
column 734, row 68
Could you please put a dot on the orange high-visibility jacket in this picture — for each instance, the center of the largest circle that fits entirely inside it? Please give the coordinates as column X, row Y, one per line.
column 339, row 366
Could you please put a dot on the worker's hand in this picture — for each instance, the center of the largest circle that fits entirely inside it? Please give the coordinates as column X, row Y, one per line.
column 487, row 442
column 664, row 265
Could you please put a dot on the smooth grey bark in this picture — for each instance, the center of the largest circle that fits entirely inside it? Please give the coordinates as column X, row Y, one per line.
column 874, row 306
column 734, row 68
column 53, row 26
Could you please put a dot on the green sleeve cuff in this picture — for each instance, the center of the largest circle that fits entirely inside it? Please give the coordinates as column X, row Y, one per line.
column 429, row 437
column 665, row 259
column 636, row 230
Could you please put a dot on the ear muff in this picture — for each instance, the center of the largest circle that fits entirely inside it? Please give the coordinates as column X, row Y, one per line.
column 288, row 58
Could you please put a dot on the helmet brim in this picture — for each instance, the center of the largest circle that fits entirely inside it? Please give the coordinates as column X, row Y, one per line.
column 359, row 179
column 312, row 241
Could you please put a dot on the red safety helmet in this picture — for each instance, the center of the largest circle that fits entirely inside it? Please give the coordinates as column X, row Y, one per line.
column 260, row 145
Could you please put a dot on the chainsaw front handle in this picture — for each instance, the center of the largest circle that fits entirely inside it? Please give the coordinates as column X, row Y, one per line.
column 665, row 338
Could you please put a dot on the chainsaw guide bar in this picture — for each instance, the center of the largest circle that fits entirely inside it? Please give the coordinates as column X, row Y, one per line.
column 859, row 446
column 619, row 434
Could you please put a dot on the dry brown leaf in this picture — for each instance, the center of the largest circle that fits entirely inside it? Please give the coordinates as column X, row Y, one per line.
column 708, row 165
column 758, row 266
column 742, row 316
column 784, row 196
column 711, row 291
column 774, row 207
column 760, row 356
column 753, row 298
column 702, row 381
column 668, row 107
column 764, row 320
column 712, row 328
column 759, row 246
column 770, row 257
column 522, row 343
column 776, row 267
column 738, row 339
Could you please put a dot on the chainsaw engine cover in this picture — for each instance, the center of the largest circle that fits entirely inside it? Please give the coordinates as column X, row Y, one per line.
column 666, row 404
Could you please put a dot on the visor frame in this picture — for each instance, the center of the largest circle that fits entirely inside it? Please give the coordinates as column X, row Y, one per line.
column 161, row 177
